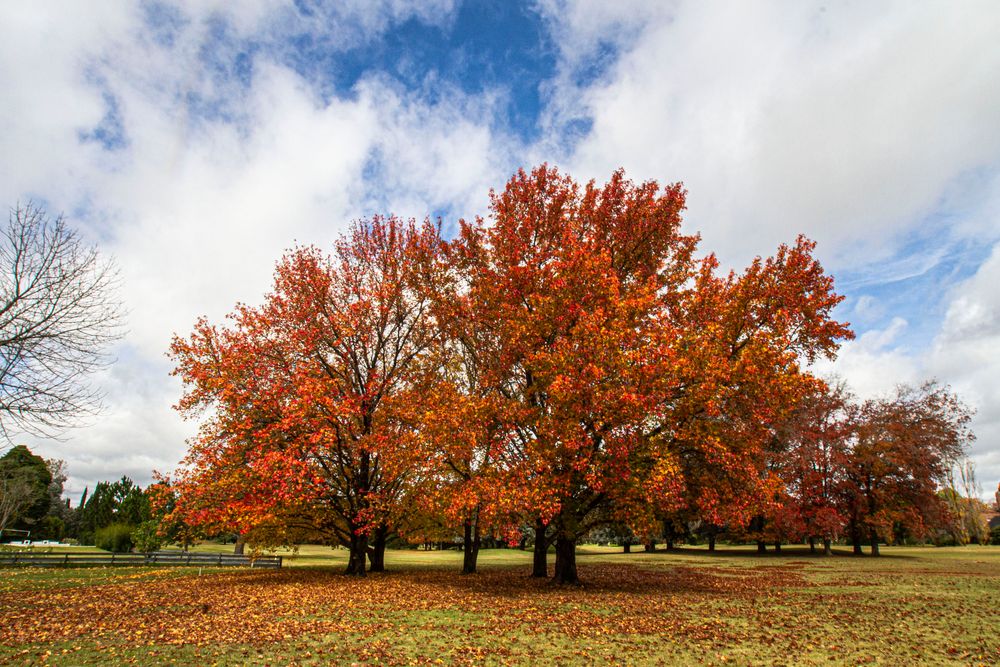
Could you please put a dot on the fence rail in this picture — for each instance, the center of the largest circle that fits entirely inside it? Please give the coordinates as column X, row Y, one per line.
column 157, row 558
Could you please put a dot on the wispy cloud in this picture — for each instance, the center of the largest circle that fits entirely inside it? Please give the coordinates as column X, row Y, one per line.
column 197, row 140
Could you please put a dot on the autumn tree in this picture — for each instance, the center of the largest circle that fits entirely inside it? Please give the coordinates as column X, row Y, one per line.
column 305, row 432
column 904, row 447
column 813, row 449
column 634, row 377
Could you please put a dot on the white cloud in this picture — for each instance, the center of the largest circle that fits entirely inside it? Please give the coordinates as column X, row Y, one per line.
column 873, row 128
column 965, row 355
column 871, row 364
column 859, row 125
column 840, row 121
column 197, row 208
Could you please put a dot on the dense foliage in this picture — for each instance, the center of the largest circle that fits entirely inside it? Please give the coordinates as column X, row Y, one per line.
column 567, row 364
column 24, row 489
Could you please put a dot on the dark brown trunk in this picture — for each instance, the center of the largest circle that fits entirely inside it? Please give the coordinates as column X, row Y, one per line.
column 565, row 561
column 650, row 547
column 358, row 556
column 377, row 551
column 670, row 544
column 777, row 547
column 539, row 565
column 812, row 544
column 873, row 538
column 627, row 545
column 240, row 545
column 711, row 541
column 855, row 531
column 827, row 547
column 761, row 547
column 470, row 547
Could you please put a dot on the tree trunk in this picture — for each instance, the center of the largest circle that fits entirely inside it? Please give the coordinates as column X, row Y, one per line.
column 377, row 550
column 241, row 543
column 470, row 547
column 539, row 566
column 650, row 547
column 812, row 544
column 711, row 541
column 761, row 547
column 777, row 547
column 827, row 546
column 670, row 544
column 358, row 555
column 565, row 561
column 873, row 536
column 855, row 531
column 627, row 545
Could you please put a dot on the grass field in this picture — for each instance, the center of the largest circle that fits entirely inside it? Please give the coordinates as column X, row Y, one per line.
column 913, row 605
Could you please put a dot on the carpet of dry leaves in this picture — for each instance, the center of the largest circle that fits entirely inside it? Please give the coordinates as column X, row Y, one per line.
column 652, row 611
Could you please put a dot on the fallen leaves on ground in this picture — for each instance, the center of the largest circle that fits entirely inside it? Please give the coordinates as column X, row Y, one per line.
column 716, row 614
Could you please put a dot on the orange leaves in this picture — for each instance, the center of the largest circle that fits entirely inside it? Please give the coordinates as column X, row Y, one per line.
column 302, row 388
column 567, row 359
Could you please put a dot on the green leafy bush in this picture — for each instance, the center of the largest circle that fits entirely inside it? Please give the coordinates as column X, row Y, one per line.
column 116, row 538
column 146, row 538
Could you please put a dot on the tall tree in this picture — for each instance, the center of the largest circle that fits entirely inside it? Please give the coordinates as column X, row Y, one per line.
column 59, row 313
column 815, row 443
column 630, row 370
column 905, row 446
column 303, row 390
column 24, row 489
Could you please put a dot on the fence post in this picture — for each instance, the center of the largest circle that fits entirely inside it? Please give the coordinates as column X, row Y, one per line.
column 65, row 560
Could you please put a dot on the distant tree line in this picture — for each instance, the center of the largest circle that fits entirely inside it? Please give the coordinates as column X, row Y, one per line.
column 32, row 506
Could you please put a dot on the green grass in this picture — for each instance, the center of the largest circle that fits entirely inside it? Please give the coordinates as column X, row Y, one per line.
column 913, row 605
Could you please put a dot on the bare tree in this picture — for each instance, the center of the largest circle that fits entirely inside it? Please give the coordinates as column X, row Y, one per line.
column 59, row 314
column 17, row 494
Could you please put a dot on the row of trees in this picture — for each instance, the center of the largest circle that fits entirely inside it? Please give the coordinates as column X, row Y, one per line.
column 566, row 364
column 867, row 471
column 32, row 506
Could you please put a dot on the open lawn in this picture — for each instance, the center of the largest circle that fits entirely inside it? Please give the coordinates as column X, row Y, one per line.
column 913, row 605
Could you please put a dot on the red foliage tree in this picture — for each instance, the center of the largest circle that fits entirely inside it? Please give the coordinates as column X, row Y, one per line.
column 903, row 449
column 570, row 361
column 634, row 377
column 814, row 449
column 303, row 429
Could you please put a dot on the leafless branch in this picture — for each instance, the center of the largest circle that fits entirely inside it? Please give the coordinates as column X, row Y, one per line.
column 59, row 315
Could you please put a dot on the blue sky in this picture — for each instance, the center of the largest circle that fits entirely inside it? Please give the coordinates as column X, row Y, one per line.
column 196, row 140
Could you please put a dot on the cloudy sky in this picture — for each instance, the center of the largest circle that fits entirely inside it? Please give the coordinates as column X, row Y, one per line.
column 194, row 142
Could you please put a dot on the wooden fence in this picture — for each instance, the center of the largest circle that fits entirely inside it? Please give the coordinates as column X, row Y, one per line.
column 161, row 558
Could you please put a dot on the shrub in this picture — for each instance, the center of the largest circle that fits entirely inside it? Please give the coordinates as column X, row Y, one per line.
column 146, row 537
column 995, row 535
column 116, row 538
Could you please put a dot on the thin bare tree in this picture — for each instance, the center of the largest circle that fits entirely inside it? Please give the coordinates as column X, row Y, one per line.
column 59, row 316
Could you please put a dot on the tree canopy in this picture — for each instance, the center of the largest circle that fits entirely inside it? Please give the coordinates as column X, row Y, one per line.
column 569, row 362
